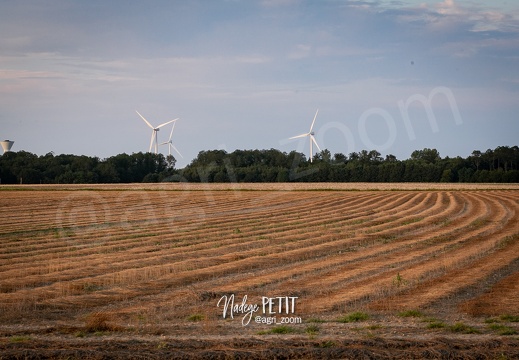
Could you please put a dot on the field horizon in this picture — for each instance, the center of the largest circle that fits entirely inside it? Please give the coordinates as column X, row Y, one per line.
column 316, row 270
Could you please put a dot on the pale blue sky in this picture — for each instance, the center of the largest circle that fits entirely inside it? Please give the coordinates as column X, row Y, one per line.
column 250, row 74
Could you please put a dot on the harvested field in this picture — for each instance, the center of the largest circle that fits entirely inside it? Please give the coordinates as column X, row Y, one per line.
column 381, row 270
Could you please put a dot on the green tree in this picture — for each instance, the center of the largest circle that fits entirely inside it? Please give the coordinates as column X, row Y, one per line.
column 339, row 158
column 476, row 158
column 391, row 158
column 430, row 156
column 447, row 176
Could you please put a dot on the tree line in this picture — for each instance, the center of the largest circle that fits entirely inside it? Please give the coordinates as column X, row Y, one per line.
column 500, row 165
column 495, row 166
column 27, row 168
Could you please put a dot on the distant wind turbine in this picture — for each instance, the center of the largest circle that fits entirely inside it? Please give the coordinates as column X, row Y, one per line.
column 170, row 143
column 154, row 132
column 311, row 135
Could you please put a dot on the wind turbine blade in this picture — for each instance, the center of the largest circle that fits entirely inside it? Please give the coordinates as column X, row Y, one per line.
column 169, row 122
column 146, row 121
column 315, row 142
column 151, row 142
column 178, row 152
column 171, row 133
column 313, row 122
column 299, row 136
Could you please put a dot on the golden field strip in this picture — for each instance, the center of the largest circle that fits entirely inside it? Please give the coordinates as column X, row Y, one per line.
column 156, row 259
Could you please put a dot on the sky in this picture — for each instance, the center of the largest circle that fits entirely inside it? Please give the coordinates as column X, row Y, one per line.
column 388, row 75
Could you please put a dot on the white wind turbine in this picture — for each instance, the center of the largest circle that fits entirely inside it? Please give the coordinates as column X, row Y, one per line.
column 154, row 132
column 311, row 135
column 170, row 143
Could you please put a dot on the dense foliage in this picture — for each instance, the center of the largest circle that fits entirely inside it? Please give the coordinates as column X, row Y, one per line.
column 498, row 165
column 27, row 168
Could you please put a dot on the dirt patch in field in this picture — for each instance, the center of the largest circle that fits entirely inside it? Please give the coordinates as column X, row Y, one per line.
column 501, row 299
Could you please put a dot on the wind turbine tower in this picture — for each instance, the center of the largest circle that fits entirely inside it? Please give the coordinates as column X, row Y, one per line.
column 311, row 135
column 6, row 145
column 154, row 132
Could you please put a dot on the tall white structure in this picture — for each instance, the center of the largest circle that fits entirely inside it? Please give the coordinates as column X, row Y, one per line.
column 7, row 145
column 154, row 132
column 311, row 135
column 170, row 143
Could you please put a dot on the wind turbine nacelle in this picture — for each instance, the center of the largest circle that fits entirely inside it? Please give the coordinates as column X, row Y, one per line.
column 6, row 145
column 312, row 133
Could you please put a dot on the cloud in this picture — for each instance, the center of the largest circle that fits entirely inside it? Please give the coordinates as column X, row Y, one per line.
column 278, row 3
column 452, row 15
column 448, row 7
column 300, row 51
column 258, row 59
